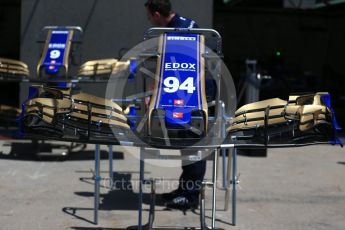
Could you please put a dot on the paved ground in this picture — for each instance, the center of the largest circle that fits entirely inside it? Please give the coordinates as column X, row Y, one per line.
column 301, row 188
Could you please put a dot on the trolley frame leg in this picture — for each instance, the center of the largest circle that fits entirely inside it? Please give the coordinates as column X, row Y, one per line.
column 152, row 204
column 97, row 183
column 225, row 181
column 234, row 182
column 111, row 171
column 141, row 181
column 214, row 188
column 202, row 208
column 228, row 179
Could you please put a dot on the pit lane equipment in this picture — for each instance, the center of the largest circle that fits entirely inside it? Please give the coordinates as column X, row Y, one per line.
column 102, row 67
column 14, row 69
column 8, row 115
column 179, row 99
column 11, row 71
column 302, row 117
column 59, row 51
column 180, row 81
column 57, row 113
column 233, row 141
column 40, row 106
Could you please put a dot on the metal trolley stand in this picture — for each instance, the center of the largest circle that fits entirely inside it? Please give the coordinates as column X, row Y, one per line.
column 219, row 125
column 151, row 217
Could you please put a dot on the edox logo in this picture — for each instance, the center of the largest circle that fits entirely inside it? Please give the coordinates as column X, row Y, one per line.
column 181, row 38
column 173, row 66
column 57, row 46
column 60, row 32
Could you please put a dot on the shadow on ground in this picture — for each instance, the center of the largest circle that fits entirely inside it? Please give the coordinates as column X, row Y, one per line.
column 31, row 152
column 121, row 196
column 96, row 228
column 131, row 228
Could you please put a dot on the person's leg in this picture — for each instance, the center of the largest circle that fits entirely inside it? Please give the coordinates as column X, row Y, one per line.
column 187, row 194
column 192, row 177
column 190, row 180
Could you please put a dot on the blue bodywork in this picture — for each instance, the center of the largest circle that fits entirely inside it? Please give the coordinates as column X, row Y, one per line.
column 33, row 92
column 180, row 62
column 55, row 55
column 326, row 100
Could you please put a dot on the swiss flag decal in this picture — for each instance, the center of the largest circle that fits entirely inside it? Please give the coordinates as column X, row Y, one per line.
column 178, row 115
column 179, row 102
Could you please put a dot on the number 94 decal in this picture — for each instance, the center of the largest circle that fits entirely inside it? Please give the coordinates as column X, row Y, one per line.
column 172, row 84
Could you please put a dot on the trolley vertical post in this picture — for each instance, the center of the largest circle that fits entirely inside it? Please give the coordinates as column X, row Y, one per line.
column 111, row 171
column 214, row 187
column 97, row 183
column 141, row 181
column 228, row 181
column 234, row 182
